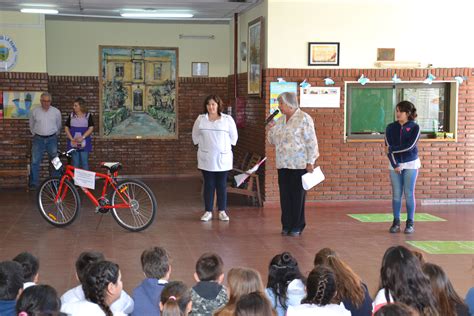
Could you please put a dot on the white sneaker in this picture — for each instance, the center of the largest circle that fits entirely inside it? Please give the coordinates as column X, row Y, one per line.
column 207, row 216
column 223, row 216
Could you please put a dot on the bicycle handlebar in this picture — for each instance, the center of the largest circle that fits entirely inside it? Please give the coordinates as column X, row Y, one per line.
column 66, row 153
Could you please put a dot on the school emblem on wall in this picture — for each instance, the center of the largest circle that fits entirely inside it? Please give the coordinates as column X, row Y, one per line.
column 8, row 53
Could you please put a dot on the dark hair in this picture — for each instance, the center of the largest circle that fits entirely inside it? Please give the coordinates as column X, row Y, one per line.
column 282, row 270
column 209, row 267
column 155, row 262
column 83, row 262
column 352, row 287
column 218, row 100
column 320, row 286
column 402, row 277
column 396, row 309
column 30, row 265
column 82, row 104
column 175, row 299
column 443, row 290
column 11, row 280
column 409, row 108
column 254, row 304
column 39, row 299
column 420, row 256
column 98, row 277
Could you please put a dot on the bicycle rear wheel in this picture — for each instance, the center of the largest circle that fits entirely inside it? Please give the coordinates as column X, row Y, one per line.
column 142, row 201
column 65, row 210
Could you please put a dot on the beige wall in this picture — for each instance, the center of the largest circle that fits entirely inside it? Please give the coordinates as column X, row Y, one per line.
column 431, row 32
column 28, row 33
column 73, row 45
column 244, row 19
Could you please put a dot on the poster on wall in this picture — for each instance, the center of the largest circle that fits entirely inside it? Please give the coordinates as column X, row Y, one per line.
column 320, row 97
column 19, row 104
column 138, row 89
column 276, row 88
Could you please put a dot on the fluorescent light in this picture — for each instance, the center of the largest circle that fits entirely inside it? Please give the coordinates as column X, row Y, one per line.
column 155, row 15
column 38, row 10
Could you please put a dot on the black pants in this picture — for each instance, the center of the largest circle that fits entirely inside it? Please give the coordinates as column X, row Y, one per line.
column 292, row 198
column 215, row 181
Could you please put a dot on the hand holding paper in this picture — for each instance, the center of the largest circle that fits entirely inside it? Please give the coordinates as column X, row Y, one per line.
column 310, row 179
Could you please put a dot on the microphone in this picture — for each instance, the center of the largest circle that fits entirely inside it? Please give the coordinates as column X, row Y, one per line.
column 270, row 118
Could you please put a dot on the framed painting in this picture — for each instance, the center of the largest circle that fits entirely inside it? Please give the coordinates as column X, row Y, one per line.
column 138, row 89
column 323, row 54
column 255, row 57
column 200, row 69
column 19, row 104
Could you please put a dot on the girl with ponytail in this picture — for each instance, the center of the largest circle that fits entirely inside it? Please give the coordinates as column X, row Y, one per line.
column 320, row 295
column 102, row 286
column 175, row 299
column 352, row 292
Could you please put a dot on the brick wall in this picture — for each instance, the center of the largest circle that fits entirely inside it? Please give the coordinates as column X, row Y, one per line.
column 139, row 157
column 356, row 171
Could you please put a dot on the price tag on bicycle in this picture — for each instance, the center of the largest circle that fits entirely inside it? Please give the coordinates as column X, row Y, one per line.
column 57, row 163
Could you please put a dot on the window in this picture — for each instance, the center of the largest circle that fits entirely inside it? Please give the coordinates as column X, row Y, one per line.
column 370, row 108
column 158, row 69
column 138, row 70
column 119, row 70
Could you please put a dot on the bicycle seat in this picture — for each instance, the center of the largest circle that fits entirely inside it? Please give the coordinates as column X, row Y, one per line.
column 111, row 166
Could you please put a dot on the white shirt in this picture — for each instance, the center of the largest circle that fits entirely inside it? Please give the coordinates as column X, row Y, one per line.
column 313, row 309
column 28, row 284
column 215, row 140
column 45, row 123
column 414, row 164
column 124, row 304
column 85, row 307
column 380, row 300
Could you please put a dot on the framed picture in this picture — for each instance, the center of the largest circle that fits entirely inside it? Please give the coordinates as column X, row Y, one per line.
column 19, row 104
column 200, row 69
column 255, row 42
column 323, row 54
column 385, row 54
column 138, row 92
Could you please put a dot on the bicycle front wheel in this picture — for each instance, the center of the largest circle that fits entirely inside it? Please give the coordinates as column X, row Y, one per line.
column 142, row 205
column 64, row 210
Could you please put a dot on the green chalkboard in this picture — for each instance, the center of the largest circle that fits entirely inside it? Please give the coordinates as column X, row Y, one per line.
column 371, row 109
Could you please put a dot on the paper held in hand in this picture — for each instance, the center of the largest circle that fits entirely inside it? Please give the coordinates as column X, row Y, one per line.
column 240, row 178
column 310, row 179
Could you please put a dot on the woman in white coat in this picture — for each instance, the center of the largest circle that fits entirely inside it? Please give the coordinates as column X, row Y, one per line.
column 215, row 133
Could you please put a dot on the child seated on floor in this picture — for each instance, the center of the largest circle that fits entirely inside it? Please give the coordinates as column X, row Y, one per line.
column 157, row 270
column 30, row 265
column 39, row 300
column 124, row 304
column 175, row 299
column 208, row 294
column 11, row 286
column 102, row 287
column 320, row 294
column 285, row 284
column 254, row 303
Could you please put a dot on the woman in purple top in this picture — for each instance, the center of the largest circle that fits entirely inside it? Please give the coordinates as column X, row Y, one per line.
column 79, row 127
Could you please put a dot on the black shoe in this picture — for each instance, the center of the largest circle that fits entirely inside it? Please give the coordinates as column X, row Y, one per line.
column 284, row 232
column 410, row 228
column 395, row 228
column 295, row 233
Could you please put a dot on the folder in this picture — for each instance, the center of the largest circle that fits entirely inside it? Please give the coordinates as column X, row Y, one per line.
column 310, row 179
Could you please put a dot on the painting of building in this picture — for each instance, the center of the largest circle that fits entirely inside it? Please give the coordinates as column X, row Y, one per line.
column 138, row 92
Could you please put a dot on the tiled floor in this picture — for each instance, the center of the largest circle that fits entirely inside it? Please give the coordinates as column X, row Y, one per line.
column 251, row 238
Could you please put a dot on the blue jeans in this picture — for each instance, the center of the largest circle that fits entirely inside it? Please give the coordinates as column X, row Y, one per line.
column 215, row 181
column 80, row 159
column 39, row 146
column 404, row 182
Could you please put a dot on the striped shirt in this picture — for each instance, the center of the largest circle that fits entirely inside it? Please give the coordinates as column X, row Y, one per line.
column 45, row 123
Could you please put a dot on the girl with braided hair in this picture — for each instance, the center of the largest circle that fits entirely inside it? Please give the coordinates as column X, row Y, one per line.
column 175, row 299
column 285, row 284
column 320, row 295
column 402, row 280
column 353, row 293
column 102, row 286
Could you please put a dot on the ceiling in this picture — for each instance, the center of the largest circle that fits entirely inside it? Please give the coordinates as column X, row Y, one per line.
column 211, row 10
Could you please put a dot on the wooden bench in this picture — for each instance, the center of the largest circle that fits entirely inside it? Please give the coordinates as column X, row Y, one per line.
column 15, row 159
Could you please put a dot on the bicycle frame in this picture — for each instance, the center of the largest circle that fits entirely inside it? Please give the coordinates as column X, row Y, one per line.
column 69, row 174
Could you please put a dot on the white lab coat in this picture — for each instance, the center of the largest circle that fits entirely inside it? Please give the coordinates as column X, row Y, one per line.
column 215, row 141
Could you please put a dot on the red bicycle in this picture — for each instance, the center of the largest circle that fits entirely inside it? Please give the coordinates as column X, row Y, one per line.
column 131, row 202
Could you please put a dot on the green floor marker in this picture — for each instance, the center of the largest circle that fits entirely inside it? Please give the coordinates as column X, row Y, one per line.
column 385, row 217
column 445, row 247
